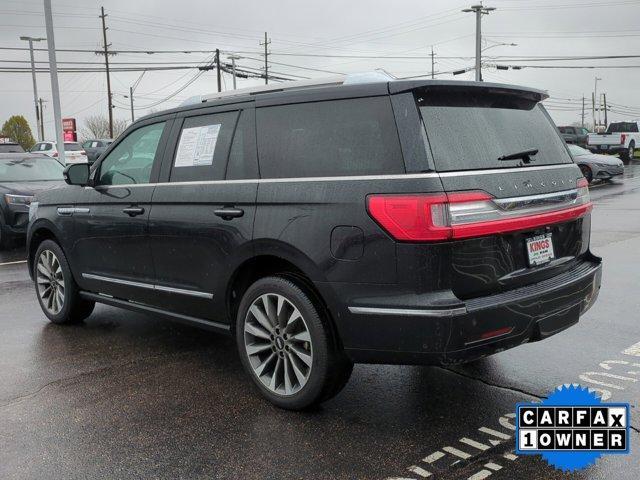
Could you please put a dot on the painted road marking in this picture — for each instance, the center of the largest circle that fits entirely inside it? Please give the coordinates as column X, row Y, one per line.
column 506, row 423
column 633, row 350
column 457, row 453
column 13, row 263
column 474, row 444
column 495, row 433
column 482, row 474
column 433, row 457
column 419, row 471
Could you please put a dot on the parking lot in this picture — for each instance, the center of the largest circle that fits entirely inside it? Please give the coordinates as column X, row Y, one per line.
column 125, row 395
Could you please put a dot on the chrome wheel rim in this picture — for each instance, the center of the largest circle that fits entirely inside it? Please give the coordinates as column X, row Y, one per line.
column 278, row 344
column 631, row 152
column 50, row 282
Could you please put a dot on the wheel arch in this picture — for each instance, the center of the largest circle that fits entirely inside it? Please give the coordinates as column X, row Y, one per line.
column 278, row 259
column 38, row 233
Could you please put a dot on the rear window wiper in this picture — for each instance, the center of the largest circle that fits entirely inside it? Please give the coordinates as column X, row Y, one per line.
column 525, row 155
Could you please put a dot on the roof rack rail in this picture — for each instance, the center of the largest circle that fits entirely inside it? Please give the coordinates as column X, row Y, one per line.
column 350, row 79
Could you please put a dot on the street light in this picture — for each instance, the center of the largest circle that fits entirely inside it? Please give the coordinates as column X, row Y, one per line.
column 500, row 45
column 132, row 89
column 39, row 122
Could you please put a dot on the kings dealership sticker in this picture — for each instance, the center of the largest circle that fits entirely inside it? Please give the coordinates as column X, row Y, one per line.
column 572, row 428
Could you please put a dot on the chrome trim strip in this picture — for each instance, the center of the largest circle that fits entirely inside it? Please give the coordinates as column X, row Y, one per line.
column 65, row 211
column 409, row 312
column 193, row 293
column 129, row 283
column 542, row 196
column 464, row 173
column 402, row 176
column 69, row 211
column 281, row 180
column 148, row 286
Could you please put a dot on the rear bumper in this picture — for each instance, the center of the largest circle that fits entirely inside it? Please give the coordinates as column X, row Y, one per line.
column 374, row 333
column 608, row 172
column 609, row 149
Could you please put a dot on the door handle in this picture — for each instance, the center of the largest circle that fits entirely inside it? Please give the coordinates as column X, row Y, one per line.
column 133, row 211
column 229, row 213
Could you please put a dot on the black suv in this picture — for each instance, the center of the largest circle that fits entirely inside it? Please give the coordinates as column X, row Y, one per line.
column 411, row 222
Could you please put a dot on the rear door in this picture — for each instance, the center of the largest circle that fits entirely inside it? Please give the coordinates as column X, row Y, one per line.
column 201, row 222
column 112, row 253
column 476, row 136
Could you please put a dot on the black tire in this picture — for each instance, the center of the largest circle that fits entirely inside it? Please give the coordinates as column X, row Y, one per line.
column 586, row 172
column 74, row 309
column 329, row 370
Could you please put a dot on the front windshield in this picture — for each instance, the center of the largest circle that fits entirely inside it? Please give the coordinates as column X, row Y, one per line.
column 25, row 169
column 576, row 151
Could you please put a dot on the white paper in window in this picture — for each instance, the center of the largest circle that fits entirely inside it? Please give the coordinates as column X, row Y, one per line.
column 197, row 145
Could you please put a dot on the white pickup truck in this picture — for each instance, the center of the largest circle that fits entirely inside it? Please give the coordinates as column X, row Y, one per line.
column 620, row 137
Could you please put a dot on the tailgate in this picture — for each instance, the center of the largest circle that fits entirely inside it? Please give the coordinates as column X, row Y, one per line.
column 604, row 139
column 515, row 211
column 501, row 262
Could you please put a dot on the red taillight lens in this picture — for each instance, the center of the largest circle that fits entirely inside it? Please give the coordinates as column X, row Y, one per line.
column 440, row 217
column 623, row 138
column 55, row 154
column 411, row 217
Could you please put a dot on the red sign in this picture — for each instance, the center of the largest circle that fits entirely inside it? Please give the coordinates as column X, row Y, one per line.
column 69, row 124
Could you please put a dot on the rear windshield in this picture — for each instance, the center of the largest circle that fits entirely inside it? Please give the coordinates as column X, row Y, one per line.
column 472, row 130
column 10, row 148
column 72, row 147
column 622, row 127
column 29, row 169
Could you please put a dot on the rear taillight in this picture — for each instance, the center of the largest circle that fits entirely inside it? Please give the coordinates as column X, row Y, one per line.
column 623, row 138
column 55, row 154
column 452, row 216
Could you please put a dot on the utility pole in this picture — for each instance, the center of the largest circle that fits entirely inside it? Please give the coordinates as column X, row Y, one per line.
column 593, row 109
column 266, row 55
column 106, row 45
column 233, row 59
column 582, row 111
column 133, row 119
column 41, row 125
column 432, row 64
column 604, row 97
column 595, row 97
column 55, row 87
column 479, row 10
column 33, row 78
column 218, row 69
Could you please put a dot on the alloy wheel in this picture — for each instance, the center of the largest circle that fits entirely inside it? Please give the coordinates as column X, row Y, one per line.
column 50, row 282
column 278, row 344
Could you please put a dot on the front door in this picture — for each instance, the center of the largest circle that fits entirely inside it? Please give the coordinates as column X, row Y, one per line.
column 112, row 249
column 201, row 222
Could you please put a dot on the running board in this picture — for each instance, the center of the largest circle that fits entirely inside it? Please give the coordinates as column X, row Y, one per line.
column 139, row 307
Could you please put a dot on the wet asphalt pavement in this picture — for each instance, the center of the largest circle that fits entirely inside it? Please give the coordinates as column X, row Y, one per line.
column 132, row 396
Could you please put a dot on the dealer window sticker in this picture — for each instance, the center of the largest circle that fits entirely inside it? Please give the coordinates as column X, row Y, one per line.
column 197, row 145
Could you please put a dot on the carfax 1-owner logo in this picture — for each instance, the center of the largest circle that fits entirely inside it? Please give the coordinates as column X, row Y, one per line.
column 572, row 428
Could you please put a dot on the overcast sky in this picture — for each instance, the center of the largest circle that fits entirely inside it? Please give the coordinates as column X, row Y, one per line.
column 329, row 29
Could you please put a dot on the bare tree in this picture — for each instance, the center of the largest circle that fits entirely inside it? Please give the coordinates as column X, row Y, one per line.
column 97, row 126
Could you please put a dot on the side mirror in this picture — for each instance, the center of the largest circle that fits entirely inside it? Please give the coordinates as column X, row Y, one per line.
column 77, row 174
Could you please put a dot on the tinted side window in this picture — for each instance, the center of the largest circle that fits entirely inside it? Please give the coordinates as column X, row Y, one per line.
column 332, row 138
column 243, row 162
column 203, row 147
column 46, row 146
column 132, row 159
